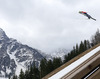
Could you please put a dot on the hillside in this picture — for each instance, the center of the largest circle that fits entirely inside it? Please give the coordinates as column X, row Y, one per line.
column 15, row 56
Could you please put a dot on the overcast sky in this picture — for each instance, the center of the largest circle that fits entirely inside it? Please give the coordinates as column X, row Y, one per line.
column 49, row 24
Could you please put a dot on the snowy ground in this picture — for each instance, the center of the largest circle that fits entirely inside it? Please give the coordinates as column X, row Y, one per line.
column 19, row 66
column 74, row 64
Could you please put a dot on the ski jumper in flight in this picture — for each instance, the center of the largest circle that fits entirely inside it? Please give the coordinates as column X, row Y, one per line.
column 87, row 15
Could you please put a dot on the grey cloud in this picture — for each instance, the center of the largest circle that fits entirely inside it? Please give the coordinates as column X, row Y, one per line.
column 49, row 25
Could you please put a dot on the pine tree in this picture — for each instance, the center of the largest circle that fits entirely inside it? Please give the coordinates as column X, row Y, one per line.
column 49, row 66
column 88, row 44
column 73, row 52
column 57, row 62
column 81, row 47
column 31, row 72
column 21, row 75
column 36, row 72
column 65, row 58
column 85, row 45
column 96, row 38
column 77, row 49
column 26, row 74
column 14, row 77
column 43, row 66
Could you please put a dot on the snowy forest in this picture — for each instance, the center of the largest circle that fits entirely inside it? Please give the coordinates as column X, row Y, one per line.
column 47, row 66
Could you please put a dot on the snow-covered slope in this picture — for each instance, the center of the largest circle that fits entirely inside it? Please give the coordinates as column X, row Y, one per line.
column 59, row 53
column 15, row 56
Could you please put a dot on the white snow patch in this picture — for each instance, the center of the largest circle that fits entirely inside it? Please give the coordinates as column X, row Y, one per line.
column 19, row 66
column 0, row 45
column 8, row 70
column 3, row 73
column 74, row 64
column 2, row 66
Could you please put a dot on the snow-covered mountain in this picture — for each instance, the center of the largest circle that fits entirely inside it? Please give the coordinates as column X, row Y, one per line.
column 15, row 56
column 59, row 53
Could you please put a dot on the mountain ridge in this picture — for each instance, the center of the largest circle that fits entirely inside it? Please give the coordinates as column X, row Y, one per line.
column 15, row 56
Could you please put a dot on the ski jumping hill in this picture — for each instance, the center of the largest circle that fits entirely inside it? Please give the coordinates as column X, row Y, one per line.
column 83, row 66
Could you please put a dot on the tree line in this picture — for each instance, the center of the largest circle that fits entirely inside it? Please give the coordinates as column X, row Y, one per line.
column 47, row 66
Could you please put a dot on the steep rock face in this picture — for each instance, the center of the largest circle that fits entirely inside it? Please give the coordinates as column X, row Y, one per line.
column 15, row 56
